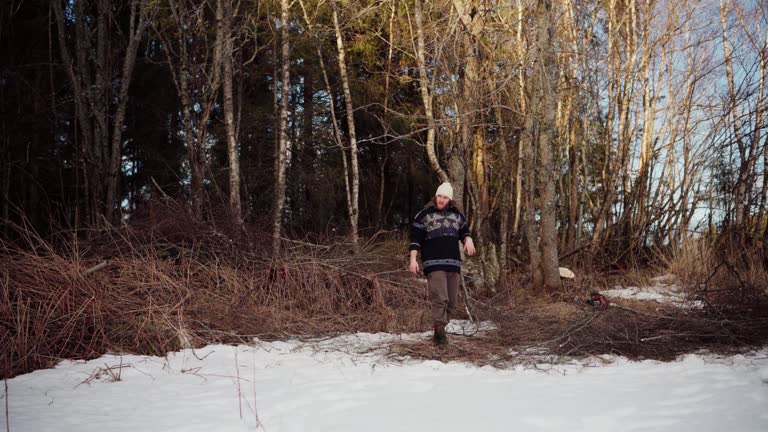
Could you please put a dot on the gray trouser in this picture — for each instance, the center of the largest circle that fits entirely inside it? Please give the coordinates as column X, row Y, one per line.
column 443, row 291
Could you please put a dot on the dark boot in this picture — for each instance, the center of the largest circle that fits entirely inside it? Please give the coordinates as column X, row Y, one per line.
column 440, row 337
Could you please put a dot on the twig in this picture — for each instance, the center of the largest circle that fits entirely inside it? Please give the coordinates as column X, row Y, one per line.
column 581, row 324
column 466, row 295
column 7, row 417
column 255, row 411
column 203, row 358
column 107, row 370
column 639, row 312
column 239, row 393
column 97, row 267
column 345, row 271
column 326, row 247
column 662, row 336
column 360, row 275
column 165, row 195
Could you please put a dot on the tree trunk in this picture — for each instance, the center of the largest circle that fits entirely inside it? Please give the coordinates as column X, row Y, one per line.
column 138, row 24
column 472, row 143
column 283, row 140
column 746, row 153
column 382, row 185
column 354, row 209
column 309, row 174
column 7, row 169
column 505, row 183
column 186, row 58
column 426, row 96
column 573, row 204
column 334, row 121
column 524, row 110
column 336, row 131
column 546, row 75
column 100, row 94
column 81, row 109
column 757, row 131
column 635, row 212
column 529, row 207
column 91, row 78
column 224, row 33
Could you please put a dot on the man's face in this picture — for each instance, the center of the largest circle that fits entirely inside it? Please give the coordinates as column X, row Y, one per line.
column 441, row 202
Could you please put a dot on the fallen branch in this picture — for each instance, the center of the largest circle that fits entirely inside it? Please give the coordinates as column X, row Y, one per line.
column 466, row 296
column 97, row 267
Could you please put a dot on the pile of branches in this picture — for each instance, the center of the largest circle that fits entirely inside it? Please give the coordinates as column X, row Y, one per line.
column 637, row 333
column 186, row 284
column 724, row 314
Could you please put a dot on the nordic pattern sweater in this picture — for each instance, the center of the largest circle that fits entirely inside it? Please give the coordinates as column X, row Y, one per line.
column 436, row 233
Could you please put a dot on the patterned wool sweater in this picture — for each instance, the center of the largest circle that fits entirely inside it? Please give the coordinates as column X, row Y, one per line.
column 437, row 233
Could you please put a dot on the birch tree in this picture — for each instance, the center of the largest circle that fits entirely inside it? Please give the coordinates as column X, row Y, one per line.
column 425, row 91
column 224, row 17
column 282, row 146
column 349, row 107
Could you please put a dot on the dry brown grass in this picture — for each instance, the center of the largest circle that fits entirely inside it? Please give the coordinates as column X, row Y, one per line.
column 166, row 291
column 184, row 283
column 691, row 262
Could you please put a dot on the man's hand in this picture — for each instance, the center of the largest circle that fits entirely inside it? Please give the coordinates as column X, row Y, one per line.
column 414, row 267
column 469, row 246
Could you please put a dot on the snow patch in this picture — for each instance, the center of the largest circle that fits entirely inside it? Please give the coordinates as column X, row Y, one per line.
column 658, row 293
column 469, row 328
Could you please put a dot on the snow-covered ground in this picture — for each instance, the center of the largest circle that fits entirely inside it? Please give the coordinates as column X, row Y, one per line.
column 347, row 384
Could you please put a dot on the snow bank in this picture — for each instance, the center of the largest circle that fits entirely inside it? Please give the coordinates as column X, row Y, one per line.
column 344, row 384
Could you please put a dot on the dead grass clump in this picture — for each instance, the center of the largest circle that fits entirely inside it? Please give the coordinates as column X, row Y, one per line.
column 142, row 300
column 691, row 262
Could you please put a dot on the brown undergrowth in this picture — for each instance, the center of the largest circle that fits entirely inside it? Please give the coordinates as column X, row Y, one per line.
column 164, row 286
column 557, row 332
column 722, row 308
column 129, row 290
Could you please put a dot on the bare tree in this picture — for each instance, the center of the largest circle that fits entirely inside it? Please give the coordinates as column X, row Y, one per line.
column 745, row 123
column 100, row 103
column 426, row 92
column 282, row 147
column 354, row 204
column 194, row 60
column 224, row 32
column 545, row 73
column 539, row 138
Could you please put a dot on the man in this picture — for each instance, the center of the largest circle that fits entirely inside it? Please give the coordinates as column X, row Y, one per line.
column 436, row 232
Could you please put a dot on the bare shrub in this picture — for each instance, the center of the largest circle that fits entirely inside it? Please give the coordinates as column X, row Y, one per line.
column 691, row 262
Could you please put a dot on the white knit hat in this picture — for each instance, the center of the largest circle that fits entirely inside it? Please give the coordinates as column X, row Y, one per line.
column 445, row 190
